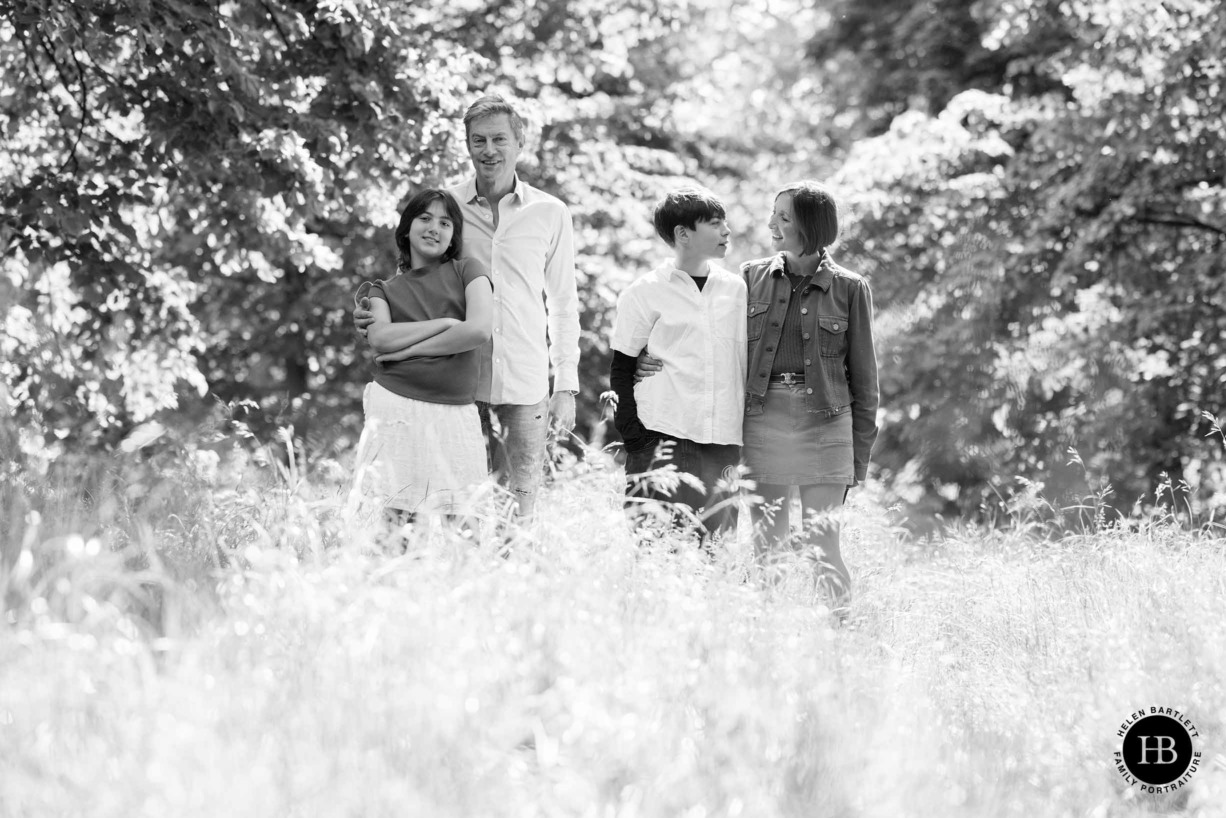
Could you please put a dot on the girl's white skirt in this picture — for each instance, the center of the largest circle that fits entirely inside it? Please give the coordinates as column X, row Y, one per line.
column 418, row 456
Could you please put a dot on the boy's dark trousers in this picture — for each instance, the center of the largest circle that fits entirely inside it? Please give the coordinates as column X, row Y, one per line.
column 712, row 463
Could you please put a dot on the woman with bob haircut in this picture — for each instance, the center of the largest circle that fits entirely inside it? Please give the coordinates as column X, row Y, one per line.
column 811, row 388
column 421, row 442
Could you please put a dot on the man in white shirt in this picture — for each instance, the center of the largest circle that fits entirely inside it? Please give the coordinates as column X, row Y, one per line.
column 525, row 238
column 690, row 313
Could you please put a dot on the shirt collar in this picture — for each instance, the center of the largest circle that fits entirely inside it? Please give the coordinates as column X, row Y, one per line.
column 469, row 190
column 821, row 279
column 673, row 271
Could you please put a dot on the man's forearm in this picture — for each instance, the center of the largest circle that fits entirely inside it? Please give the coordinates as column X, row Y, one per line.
column 564, row 355
column 562, row 306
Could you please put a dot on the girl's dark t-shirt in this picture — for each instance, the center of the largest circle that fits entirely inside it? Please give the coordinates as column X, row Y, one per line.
column 421, row 295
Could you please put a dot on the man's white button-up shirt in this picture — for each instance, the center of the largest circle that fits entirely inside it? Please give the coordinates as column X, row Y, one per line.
column 531, row 259
column 699, row 335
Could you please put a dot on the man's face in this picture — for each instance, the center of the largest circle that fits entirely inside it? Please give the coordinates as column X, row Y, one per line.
column 494, row 150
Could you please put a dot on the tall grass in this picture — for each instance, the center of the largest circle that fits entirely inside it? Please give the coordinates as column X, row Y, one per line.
column 242, row 645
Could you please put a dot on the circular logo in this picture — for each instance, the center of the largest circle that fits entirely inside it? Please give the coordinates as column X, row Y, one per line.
column 1157, row 753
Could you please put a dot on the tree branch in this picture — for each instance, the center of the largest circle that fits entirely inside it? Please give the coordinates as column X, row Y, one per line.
column 84, row 105
column 1180, row 220
column 59, row 69
column 276, row 24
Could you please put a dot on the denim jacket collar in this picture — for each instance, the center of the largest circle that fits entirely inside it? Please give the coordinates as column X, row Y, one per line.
column 821, row 279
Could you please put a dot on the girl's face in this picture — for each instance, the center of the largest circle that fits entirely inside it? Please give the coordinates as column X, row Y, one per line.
column 785, row 238
column 430, row 235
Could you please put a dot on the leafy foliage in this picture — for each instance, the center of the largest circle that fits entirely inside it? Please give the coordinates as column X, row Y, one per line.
column 184, row 209
column 1051, row 263
column 190, row 192
column 195, row 188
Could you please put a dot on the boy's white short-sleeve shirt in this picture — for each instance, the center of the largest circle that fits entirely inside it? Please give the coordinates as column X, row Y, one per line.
column 699, row 394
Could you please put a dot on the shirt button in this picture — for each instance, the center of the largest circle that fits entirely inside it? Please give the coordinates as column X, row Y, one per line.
column 808, row 361
column 806, row 336
column 809, row 390
column 805, row 311
column 836, row 326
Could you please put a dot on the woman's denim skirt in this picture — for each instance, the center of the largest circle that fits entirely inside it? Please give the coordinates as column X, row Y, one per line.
column 787, row 445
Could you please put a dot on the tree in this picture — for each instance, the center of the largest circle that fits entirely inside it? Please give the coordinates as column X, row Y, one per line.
column 193, row 190
column 885, row 57
column 1050, row 263
column 187, row 183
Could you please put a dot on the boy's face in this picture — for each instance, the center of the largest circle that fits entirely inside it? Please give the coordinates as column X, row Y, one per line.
column 709, row 238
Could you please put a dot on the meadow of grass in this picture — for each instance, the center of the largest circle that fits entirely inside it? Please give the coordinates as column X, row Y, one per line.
column 185, row 639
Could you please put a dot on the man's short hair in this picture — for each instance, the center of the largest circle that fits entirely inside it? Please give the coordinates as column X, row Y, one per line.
column 493, row 105
column 685, row 207
column 816, row 213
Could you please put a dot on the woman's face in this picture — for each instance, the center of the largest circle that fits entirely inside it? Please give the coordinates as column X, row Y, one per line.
column 430, row 234
column 785, row 238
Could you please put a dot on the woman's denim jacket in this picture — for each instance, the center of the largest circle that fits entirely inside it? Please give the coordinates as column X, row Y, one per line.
column 837, row 330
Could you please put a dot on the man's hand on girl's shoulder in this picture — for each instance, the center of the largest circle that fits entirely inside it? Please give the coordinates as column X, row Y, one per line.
column 362, row 316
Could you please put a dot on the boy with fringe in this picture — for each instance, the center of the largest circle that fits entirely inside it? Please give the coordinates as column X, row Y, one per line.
column 690, row 313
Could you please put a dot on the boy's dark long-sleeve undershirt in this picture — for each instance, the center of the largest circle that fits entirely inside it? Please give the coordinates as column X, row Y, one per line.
column 634, row 434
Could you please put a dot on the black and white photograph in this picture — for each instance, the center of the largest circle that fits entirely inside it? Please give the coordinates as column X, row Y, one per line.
column 612, row 408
